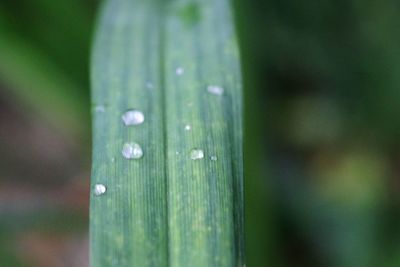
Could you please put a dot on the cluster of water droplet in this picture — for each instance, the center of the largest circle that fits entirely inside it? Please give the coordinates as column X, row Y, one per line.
column 129, row 150
column 132, row 150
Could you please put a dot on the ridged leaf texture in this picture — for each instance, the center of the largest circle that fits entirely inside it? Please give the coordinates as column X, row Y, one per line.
column 167, row 208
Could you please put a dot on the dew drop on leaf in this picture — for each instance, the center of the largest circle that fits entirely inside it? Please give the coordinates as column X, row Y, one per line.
column 179, row 71
column 214, row 158
column 188, row 127
column 196, row 154
column 149, row 85
column 99, row 189
column 132, row 151
column 133, row 117
column 215, row 90
column 100, row 109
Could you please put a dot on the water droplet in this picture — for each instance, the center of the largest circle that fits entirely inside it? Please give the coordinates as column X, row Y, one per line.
column 215, row 90
column 176, row 152
column 133, row 117
column 149, row 85
column 132, row 151
column 99, row 189
column 100, row 109
column 188, row 127
column 196, row 154
column 180, row 71
column 214, row 158
column 112, row 159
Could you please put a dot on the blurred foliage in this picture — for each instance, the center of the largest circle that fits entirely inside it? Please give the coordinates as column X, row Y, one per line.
column 44, row 54
column 44, row 131
column 327, row 76
column 322, row 125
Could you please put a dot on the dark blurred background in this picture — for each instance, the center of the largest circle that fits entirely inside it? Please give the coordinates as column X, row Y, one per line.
column 322, row 144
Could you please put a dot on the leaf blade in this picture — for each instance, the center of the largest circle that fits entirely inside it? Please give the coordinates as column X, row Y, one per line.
column 128, row 224
column 204, row 196
column 167, row 209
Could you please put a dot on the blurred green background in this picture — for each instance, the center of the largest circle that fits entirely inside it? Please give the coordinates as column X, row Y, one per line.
column 322, row 148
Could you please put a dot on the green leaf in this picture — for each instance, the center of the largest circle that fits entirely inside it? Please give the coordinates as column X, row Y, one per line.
column 178, row 63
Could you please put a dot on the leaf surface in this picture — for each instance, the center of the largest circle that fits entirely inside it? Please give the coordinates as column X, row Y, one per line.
column 181, row 203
